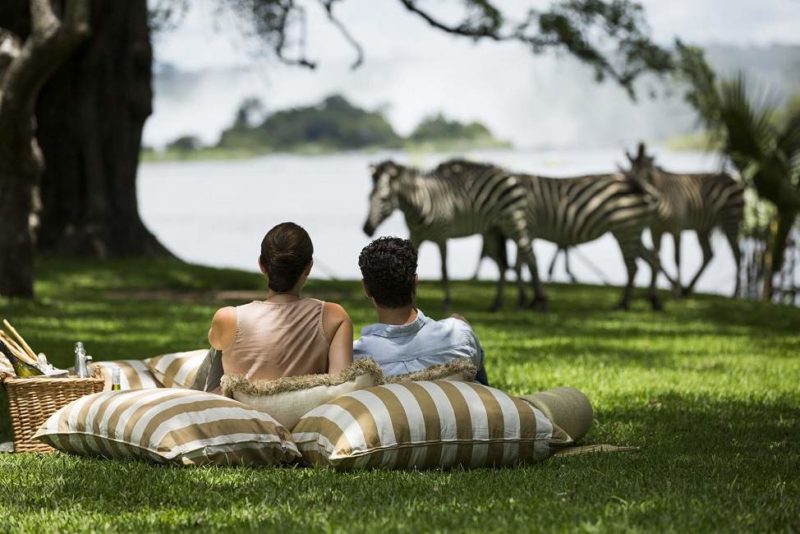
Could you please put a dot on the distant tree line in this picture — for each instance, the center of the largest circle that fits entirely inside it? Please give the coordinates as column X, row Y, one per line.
column 333, row 124
column 337, row 124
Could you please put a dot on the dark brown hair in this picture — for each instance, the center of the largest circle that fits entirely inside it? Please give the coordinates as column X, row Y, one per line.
column 286, row 251
column 389, row 269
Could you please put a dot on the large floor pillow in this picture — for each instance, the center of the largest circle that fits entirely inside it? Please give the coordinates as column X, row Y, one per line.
column 133, row 374
column 458, row 369
column 288, row 399
column 169, row 425
column 422, row 425
column 568, row 408
column 179, row 369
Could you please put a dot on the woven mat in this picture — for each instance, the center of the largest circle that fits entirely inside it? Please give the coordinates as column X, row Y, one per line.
column 593, row 449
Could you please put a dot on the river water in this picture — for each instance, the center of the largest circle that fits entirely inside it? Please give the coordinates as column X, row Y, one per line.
column 215, row 213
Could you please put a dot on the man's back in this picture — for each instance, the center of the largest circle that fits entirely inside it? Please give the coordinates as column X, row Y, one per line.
column 422, row 343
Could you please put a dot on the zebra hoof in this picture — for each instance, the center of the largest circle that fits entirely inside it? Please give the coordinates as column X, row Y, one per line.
column 656, row 303
column 623, row 306
column 494, row 308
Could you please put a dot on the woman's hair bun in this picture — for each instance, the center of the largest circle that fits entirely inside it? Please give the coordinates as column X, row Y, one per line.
column 286, row 251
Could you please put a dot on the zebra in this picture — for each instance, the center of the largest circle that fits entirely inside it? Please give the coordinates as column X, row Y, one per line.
column 455, row 199
column 571, row 211
column 699, row 202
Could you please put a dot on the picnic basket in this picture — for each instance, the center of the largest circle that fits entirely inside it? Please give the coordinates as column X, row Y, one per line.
column 31, row 401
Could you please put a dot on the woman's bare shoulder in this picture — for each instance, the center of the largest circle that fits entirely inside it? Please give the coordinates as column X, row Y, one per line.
column 334, row 315
column 225, row 316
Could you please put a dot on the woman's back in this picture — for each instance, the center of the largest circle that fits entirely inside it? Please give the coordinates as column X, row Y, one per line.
column 276, row 339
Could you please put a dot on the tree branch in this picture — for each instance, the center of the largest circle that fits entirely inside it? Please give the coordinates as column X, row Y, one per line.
column 462, row 29
column 328, row 5
column 43, row 20
column 48, row 46
column 570, row 24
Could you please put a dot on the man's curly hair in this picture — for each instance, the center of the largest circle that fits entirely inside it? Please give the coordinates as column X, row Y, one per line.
column 388, row 266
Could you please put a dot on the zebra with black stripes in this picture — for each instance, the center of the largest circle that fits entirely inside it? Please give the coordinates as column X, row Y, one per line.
column 572, row 211
column 456, row 199
column 698, row 202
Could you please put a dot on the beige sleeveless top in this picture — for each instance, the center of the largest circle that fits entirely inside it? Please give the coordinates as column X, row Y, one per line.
column 278, row 339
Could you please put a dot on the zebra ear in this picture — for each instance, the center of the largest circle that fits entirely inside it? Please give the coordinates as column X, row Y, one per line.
column 372, row 168
column 630, row 158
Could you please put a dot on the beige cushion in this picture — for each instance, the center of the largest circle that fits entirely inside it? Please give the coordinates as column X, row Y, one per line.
column 5, row 367
column 133, row 374
column 288, row 399
column 419, row 425
column 458, row 369
column 568, row 408
column 177, row 369
column 168, row 425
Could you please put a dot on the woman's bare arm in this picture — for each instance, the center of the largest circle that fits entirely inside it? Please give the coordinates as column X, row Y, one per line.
column 223, row 328
column 339, row 329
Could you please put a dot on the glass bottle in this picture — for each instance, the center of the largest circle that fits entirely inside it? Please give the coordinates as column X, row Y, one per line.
column 80, row 360
column 115, row 385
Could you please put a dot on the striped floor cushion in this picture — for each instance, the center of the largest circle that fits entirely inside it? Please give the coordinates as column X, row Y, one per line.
column 177, row 369
column 168, row 425
column 421, row 425
column 133, row 374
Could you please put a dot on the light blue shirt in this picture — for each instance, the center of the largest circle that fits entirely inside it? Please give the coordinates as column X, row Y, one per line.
column 401, row 349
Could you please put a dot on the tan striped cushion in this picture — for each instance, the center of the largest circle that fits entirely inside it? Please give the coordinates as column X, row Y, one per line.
column 133, row 374
column 423, row 425
column 168, row 426
column 177, row 369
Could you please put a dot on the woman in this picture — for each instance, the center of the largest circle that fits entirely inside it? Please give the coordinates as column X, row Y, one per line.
column 284, row 335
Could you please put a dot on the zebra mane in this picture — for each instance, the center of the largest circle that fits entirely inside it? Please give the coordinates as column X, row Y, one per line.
column 457, row 167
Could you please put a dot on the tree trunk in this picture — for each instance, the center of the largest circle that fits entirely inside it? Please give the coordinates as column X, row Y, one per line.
column 16, row 241
column 90, row 118
column 24, row 67
column 780, row 236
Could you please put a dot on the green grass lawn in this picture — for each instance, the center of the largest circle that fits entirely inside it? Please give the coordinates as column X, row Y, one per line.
column 708, row 389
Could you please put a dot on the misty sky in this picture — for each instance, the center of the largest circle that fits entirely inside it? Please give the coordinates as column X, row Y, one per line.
column 414, row 70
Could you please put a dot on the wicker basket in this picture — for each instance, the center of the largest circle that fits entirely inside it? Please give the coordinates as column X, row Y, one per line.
column 31, row 401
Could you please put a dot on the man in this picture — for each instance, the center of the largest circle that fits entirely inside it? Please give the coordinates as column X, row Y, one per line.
column 404, row 340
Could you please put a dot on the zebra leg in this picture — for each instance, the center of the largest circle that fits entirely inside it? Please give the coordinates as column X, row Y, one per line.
column 572, row 278
column 516, row 227
column 657, row 236
column 484, row 253
column 677, row 286
column 630, row 251
column 522, row 297
column 653, row 260
column 539, row 301
column 553, row 265
column 733, row 240
column 494, row 246
column 448, row 301
column 708, row 253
